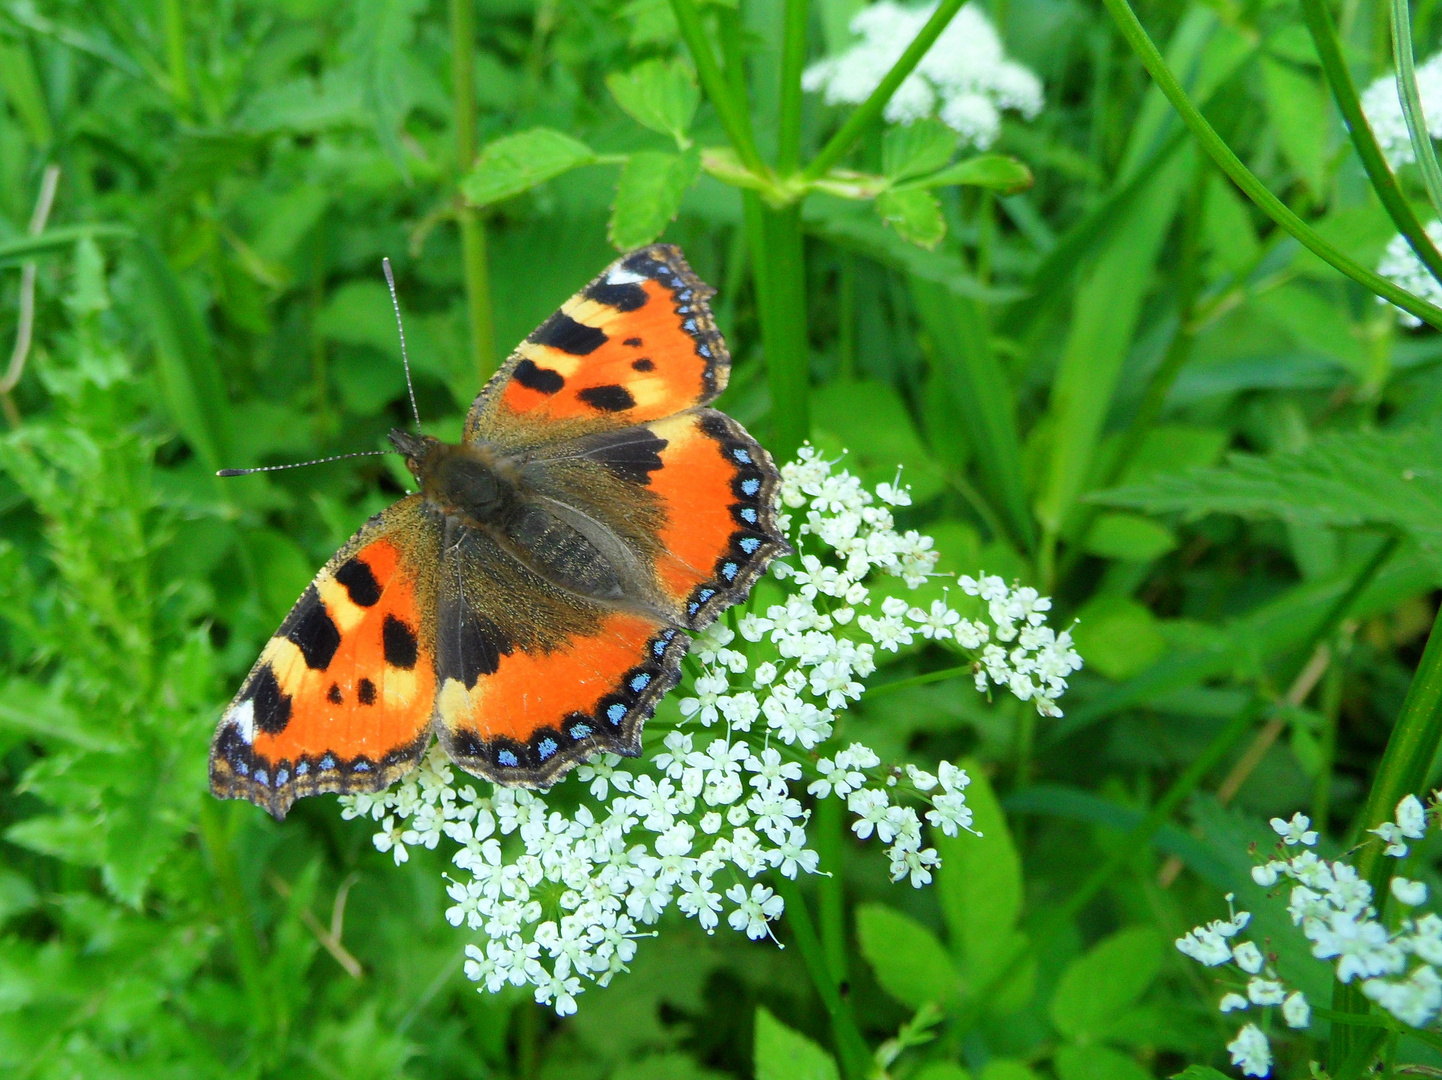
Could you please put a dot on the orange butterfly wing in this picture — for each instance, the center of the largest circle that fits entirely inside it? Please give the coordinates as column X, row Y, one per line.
column 341, row 697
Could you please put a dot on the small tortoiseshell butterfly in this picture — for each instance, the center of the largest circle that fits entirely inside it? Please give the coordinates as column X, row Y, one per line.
column 529, row 605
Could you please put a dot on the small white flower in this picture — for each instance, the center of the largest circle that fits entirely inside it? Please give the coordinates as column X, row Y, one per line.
column 1411, row 893
column 1248, row 957
column 753, row 913
column 1262, row 991
column 1266, row 874
column 1295, row 1010
column 1233, row 1003
column 1297, row 831
column 1411, row 817
column 1251, row 1052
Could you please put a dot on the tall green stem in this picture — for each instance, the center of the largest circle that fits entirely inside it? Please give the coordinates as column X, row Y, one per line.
column 793, row 59
column 175, row 54
column 779, row 270
column 731, row 112
column 479, row 316
column 1403, row 771
column 1411, row 99
column 1221, row 153
column 830, row 834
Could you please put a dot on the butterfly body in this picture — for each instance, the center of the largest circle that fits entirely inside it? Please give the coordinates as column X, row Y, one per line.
column 528, row 605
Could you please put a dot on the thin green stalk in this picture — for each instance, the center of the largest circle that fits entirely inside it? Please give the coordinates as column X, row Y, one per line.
column 479, row 315
column 851, row 1048
column 869, row 111
column 779, row 271
column 1403, row 770
column 830, row 833
column 793, row 59
column 175, row 54
column 846, row 318
column 1332, row 684
column 1344, row 92
column 731, row 112
column 1243, row 177
column 920, row 680
column 1411, row 99
column 733, row 55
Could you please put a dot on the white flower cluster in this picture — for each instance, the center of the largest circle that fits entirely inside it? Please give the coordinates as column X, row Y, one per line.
column 964, row 78
column 1383, row 108
column 1333, row 906
column 558, row 897
column 1400, row 265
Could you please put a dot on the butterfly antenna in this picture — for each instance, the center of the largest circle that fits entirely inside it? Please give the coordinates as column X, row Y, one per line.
column 400, row 326
column 303, row 464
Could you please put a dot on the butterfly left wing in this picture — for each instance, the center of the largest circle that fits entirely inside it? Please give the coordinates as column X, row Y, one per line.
column 342, row 695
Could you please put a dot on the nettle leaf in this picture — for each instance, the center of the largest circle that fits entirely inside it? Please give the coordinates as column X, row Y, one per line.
column 912, row 150
column 660, row 95
column 910, row 963
column 1098, row 987
column 783, row 1054
column 519, row 162
column 996, row 172
column 648, row 195
column 1359, row 478
column 914, row 214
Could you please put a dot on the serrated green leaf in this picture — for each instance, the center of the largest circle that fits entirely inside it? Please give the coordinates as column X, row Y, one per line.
column 660, row 95
column 996, row 172
column 911, row 150
column 648, row 196
column 914, row 214
column 783, row 1054
column 1388, row 478
column 1098, row 987
column 910, row 963
column 517, row 163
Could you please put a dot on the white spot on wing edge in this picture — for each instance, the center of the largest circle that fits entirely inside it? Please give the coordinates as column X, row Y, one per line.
column 619, row 275
column 242, row 718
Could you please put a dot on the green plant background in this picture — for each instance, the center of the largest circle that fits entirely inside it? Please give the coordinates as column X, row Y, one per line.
column 208, row 294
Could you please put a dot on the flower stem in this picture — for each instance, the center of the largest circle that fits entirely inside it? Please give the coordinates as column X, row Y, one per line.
column 851, row 1048
column 730, row 111
column 1411, row 98
column 793, row 59
column 830, row 890
column 475, row 264
column 1137, row 37
column 1403, row 770
column 779, row 271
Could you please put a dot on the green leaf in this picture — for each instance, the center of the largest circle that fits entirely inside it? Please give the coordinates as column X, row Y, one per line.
column 1302, row 117
column 941, row 1070
column 914, row 214
column 911, row 150
column 869, row 421
column 1129, row 537
column 517, row 163
column 1096, row 1063
column 17, row 894
column 1005, row 1069
column 648, row 196
column 658, row 94
column 783, row 1054
column 1200, row 1072
column 995, row 172
column 1387, row 478
column 1118, row 636
column 910, row 963
column 1098, row 987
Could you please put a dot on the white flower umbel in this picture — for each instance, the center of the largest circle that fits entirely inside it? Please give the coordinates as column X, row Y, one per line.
column 558, row 898
column 964, row 78
column 1401, row 266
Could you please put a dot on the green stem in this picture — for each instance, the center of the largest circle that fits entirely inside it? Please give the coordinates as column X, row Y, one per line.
column 732, row 113
column 869, row 111
column 846, row 318
column 830, row 833
column 851, row 1047
column 1243, row 177
column 920, row 680
column 793, row 59
column 175, row 54
column 779, row 271
column 1332, row 684
column 1422, row 147
column 1403, row 770
column 1339, row 78
column 475, row 264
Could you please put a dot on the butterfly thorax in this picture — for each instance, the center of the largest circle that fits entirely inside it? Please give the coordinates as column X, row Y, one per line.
column 469, row 481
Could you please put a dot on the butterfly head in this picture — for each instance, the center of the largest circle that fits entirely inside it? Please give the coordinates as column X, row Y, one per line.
column 464, row 480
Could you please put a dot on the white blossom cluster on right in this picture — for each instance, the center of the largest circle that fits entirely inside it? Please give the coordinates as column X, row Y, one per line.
column 1334, row 908
column 964, row 79
column 1401, row 266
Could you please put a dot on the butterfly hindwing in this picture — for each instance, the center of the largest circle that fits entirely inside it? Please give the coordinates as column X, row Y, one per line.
column 341, row 697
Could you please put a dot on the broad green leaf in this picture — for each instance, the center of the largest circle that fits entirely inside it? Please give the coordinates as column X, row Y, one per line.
column 783, row 1054
column 1227, row 225
column 1200, row 1072
column 1129, row 537
column 1174, row 447
column 870, row 422
column 22, row 88
column 1303, row 118
column 1118, row 636
column 1004, row 1069
column 941, row 1070
column 1387, row 478
column 1098, row 987
column 669, row 1065
column 1096, row 1063
column 517, row 163
column 914, row 214
column 995, row 172
column 915, row 149
column 1320, row 325
column 648, row 195
column 658, row 94
column 910, row 963
column 17, row 894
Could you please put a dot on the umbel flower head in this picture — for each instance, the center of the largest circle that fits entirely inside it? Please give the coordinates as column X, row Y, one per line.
column 964, row 79
column 558, row 887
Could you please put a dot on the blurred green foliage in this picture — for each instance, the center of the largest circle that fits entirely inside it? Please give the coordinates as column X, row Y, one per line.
column 208, row 294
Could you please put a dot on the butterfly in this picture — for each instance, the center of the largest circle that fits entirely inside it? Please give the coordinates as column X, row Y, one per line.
column 529, row 605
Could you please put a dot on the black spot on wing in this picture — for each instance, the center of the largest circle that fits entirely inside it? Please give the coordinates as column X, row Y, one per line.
column 632, row 455
column 627, row 296
column 643, row 364
column 399, row 641
column 366, row 692
column 609, row 398
column 333, row 695
column 271, row 705
column 468, row 645
column 562, row 332
column 634, row 342
column 536, row 378
column 360, row 583
column 310, row 627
